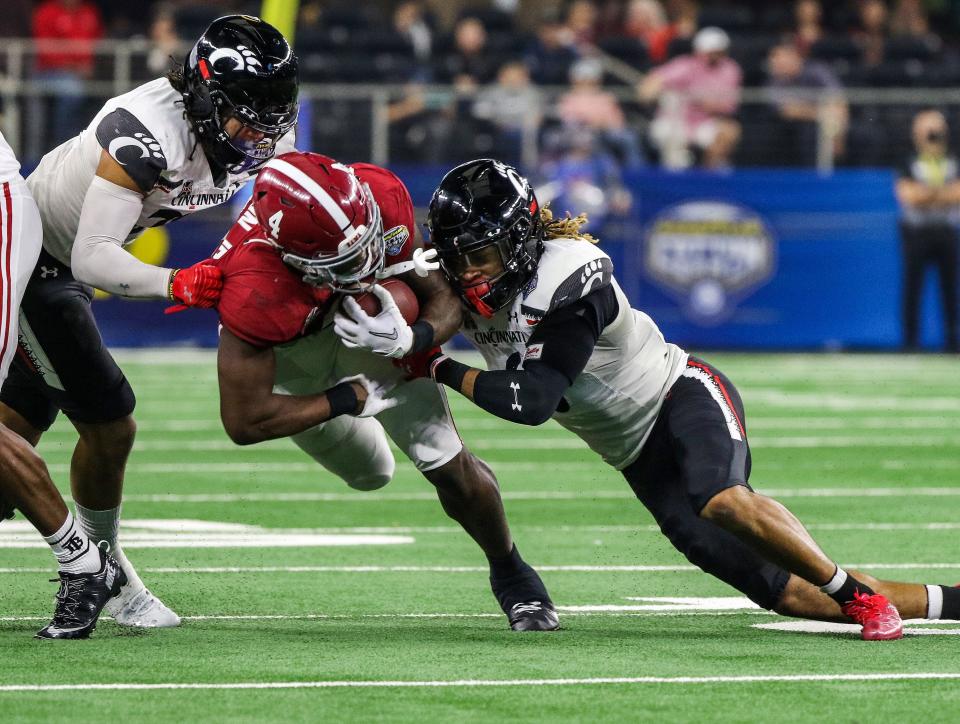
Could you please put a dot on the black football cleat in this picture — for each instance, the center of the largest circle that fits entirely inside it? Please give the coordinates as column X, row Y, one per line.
column 81, row 598
column 533, row 616
column 525, row 600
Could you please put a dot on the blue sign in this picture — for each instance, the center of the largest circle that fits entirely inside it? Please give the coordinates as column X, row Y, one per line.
column 745, row 260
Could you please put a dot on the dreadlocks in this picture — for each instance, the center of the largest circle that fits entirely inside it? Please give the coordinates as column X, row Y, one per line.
column 565, row 228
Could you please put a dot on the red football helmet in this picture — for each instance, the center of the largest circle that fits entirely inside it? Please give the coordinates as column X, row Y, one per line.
column 323, row 218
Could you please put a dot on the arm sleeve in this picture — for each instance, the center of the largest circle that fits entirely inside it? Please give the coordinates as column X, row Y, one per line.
column 109, row 213
column 556, row 354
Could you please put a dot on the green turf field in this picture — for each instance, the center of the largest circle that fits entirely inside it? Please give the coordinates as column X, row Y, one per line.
column 306, row 601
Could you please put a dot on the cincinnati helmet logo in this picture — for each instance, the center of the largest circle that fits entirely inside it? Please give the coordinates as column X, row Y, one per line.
column 141, row 141
column 241, row 58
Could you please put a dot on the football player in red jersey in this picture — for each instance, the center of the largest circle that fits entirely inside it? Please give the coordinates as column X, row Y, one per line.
column 315, row 232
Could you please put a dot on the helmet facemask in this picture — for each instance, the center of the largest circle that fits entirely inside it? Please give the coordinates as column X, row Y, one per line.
column 505, row 257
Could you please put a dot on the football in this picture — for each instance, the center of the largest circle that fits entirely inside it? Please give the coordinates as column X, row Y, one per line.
column 402, row 294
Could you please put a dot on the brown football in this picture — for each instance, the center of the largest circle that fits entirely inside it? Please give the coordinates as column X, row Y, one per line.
column 402, row 294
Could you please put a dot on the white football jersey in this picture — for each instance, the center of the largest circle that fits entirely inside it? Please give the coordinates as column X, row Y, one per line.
column 614, row 402
column 9, row 165
column 146, row 131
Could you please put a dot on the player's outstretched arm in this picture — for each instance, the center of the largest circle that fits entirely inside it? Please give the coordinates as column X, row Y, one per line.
column 111, row 208
column 440, row 309
column 532, row 390
column 251, row 412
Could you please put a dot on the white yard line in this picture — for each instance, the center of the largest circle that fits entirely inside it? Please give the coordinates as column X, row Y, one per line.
column 677, row 568
column 259, row 468
column 583, row 495
column 892, row 422
column 473, row 683
column 613, row 611
column 569, row 442
column 404, row 530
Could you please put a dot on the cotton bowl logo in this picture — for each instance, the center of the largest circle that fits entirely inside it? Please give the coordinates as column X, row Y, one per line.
column 710, row 254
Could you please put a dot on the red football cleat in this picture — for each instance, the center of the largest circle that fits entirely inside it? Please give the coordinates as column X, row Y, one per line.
column 879, row 618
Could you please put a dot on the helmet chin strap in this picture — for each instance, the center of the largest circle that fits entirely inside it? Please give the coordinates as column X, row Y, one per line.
column 474, row 294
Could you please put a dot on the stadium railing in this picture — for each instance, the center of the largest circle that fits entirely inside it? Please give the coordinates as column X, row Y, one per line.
column 409, row 123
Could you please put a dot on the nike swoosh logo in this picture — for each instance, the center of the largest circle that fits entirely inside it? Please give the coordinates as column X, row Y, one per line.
column 392, row 335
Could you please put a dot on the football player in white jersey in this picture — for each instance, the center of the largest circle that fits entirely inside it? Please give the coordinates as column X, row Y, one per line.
column 168, row 148
column 88, row 576
column 560, row 340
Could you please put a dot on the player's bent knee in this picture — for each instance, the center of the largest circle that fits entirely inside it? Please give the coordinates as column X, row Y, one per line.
column 465, row 474
column 111, row 438
column 19, row 458
column 728, row 507
column 371, row 480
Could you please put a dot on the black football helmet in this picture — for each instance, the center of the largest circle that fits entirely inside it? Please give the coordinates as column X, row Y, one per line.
column 484, row 211
column 241, row 67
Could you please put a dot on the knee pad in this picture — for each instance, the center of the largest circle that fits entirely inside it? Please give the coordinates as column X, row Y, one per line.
column 372, row 480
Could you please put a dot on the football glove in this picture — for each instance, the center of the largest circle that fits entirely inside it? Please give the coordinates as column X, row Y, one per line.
column 386, row 334
column 422, row 263
column 417, row 364
column 377, row 391
column 196, row 286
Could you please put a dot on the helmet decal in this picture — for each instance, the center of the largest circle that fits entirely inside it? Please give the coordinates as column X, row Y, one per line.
column 242, row 68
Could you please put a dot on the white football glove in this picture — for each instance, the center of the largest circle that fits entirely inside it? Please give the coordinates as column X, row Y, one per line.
column 377, row 400
column 387, row 334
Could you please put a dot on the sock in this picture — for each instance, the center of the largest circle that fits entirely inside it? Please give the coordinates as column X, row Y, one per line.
column 842, row 587
column 74, row 550
column 507, row 566
column 100, row 524
column 104, row 525
column 943, row 602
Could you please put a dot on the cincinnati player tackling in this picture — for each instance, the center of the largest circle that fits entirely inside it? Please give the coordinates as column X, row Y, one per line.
column 315, row 232
column 560, row 340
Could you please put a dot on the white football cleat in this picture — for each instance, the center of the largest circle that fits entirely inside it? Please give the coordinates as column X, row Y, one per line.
column 136, row 606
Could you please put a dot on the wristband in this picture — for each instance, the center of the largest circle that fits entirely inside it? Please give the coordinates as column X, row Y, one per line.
column 342, row 399
column 173, row 273
column 449, row 372
column 422, row 336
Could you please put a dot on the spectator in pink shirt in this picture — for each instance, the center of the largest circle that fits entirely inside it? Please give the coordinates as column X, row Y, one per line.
column 587, row 105
column 697, row 98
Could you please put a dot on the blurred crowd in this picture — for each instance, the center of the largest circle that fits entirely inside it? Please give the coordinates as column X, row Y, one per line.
column 595, row 86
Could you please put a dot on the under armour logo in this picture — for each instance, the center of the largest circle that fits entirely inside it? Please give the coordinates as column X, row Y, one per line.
column 74, row 544
column 49, row 272
column 516, row 399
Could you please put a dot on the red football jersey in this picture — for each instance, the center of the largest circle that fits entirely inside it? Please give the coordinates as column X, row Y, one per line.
column 265, row 302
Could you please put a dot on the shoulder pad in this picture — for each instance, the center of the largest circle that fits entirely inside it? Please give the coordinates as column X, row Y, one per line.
column 396, row 208
column 568, row 270
column 134, row 147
